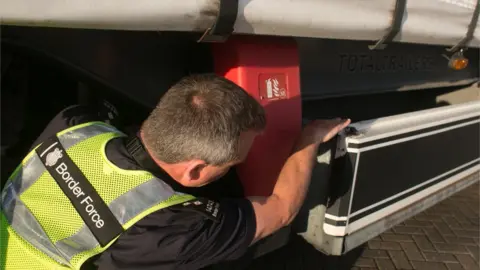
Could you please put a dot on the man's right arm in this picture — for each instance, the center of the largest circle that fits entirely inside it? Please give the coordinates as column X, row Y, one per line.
column 279, row 209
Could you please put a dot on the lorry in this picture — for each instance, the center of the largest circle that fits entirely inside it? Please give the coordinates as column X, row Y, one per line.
column 405, row 72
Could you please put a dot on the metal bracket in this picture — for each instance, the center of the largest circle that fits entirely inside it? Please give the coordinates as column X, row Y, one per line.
column 341, row 145
column 471, row 30
column 398, row 13
column 341, row 140
column 224, row 24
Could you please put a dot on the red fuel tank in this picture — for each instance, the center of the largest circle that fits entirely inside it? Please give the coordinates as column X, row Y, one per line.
column 268, row 69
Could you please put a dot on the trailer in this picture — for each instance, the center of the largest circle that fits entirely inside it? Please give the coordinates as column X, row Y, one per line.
column 384, row 64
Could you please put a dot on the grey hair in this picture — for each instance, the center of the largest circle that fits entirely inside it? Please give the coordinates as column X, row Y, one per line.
column 201, row 117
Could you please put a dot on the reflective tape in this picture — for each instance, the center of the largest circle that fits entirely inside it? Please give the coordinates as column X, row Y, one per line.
column 33, row 168
column 125, row 207
column 25, row 224
column 139, row 199
column 81, row 241
column 28, row 174
column 18, row 215
column 72, row 137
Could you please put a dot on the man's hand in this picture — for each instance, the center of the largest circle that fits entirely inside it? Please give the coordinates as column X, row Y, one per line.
column 280, row 208
column 320, row 131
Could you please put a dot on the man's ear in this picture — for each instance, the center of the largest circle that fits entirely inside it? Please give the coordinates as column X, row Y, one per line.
column 193, row 172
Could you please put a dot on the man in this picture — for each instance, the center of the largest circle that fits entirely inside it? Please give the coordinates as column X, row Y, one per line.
column 131, row 192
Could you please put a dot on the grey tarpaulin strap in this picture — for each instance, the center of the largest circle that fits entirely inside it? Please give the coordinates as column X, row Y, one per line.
column 397, row 20
column 471, row 30
column 223, row 26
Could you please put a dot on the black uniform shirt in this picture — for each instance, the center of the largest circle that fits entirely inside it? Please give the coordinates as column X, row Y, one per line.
column 179, row 237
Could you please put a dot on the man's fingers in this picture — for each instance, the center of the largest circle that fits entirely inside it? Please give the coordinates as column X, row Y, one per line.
column 335, row 129
column 327, row 129
column 345, row 123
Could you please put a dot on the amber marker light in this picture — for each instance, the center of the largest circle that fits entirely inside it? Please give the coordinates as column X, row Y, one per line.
column 458, row 61
column 459, row 64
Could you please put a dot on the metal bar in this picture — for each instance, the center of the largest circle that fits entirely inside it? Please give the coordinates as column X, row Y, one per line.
column 386, row 127
column 365, row 234
column 394, row 161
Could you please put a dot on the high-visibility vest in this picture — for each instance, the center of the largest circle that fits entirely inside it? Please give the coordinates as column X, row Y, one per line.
column 66, row 202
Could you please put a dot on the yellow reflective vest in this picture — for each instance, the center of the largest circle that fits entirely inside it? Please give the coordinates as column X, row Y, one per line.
column 66, row 202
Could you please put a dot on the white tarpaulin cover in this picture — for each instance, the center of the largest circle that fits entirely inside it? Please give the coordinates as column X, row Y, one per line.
column 442, row 22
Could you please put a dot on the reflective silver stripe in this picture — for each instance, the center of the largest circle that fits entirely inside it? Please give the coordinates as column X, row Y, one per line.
column 33, row 167
column 139, row 199
column 81, row 241
column 28, row 174
column 75, row 136
column 18, row 215
column 25, row 224
column 125, row 207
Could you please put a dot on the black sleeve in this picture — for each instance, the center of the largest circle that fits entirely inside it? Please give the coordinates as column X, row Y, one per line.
column 71, row 116
column 185, row 237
